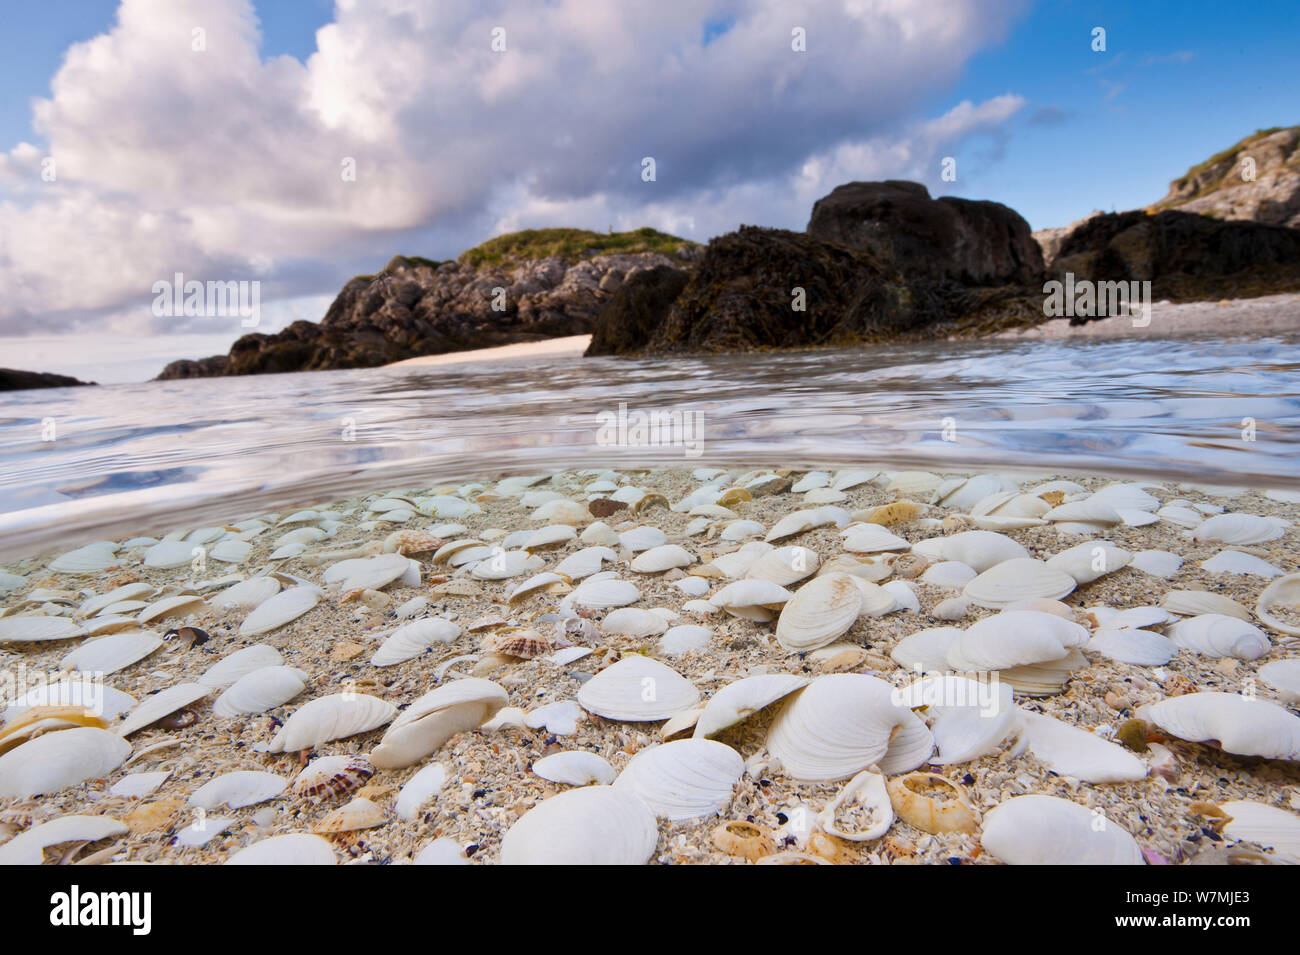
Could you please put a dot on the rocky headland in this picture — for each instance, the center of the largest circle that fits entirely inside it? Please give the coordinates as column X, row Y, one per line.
column 14, row 380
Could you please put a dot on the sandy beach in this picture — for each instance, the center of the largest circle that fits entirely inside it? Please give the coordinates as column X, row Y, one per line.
column 1266, row 315
column 522, row 351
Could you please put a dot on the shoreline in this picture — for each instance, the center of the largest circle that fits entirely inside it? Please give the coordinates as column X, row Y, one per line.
column 519, row 351
column 1265, row 315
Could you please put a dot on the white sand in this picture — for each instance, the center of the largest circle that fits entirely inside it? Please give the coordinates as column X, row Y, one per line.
column 1266, row 315
column 552, row 347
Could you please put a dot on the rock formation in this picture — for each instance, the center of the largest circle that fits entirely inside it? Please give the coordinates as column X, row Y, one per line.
column 13, row 380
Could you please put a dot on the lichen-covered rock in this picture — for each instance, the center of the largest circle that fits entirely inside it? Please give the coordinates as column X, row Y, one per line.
column 1221, row 186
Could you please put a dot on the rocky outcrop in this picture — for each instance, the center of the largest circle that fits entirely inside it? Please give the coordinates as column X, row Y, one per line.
column 1186, row 257
column 1222, row 186
column 419, row 307
column 1049, row 240
column 628, row 321
column 963, row 240
column 13, row 380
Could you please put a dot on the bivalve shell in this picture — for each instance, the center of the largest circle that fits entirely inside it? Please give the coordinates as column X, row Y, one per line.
column 637, row 689
column 237, row 790
column 263, row 689
column 740, row 700
column 684, row 779
column 112, row 653
column 1047, row 830
column 819, row 613
column 591, row 825
column 410, row 640
column 1018, row 579
column 1281, row 595
column 54, row 762
column 437, row 716
column 1247, row 727
column 164, row 703
column 283, row 608
column 296, row 848
column 575, row 768
column 331, row 717
column 1218, row 635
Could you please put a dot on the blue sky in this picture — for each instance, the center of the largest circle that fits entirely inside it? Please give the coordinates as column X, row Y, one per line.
column 169, row 163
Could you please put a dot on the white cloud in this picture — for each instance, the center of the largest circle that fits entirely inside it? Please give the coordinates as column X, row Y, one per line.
column 224, row 165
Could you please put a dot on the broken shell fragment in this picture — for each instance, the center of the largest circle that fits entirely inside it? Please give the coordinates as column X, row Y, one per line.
column 862, row 811
column 932, row 803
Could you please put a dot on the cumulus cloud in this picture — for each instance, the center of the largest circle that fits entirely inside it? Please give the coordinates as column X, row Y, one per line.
column 223, row 164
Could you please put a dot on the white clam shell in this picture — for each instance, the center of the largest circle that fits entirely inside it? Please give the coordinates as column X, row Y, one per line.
column 679, row 641
column 784, row 565
column 419, row 789
column 1015, row 638
column 591, row 825
column 432, row 719
column 820, row 612
column 179, row 605
column 1283, row 676
column 94, row 605
column 237, row 790
column 1235, row 562
column 1091, row 510
column 28, row 848
column 504, row 564
column 740, row 700
column 751, row 599
column 872, row 539
column 104, row 701
column 1071, row 751
column 1239, row 529
column 599, row 534
column 230, row 668
column 37, row 627
column 662, row 558
column 575, row 768
column 297, row 848
column 1247, row 727
column 1018, row 579
column 604, row 593
column 979, row 549
column 1090, row 560
column 634, row 622
column 914, row 483
column 246, row 595
column 797, row 522
column 1218, row 635
column 367, row 573
column 684, row 779
column 637, row 689
column 410, row 640
column 867, row 790
column 1264, row 825
column 1157, row 563
column 263, row 689
column 969, row 718
column 585, row 562
column 155, row 707
column 112, row 653
column 949, row 574
column 926, row 651
column 1281, row 593
column 1047, row 830
column 55, row 761
column 331, row 717
column 139, row 785
column 283, row 608
column 840, row 724
column 1193, row 603
column 90, row 559
column 166, row 555
column 1129, row 645
column 739, row 530
column 642, row 538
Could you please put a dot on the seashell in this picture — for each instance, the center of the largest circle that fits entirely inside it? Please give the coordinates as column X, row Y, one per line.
column 1091, row 510
column 932, row 803
column 1218, row 635
column 442, row 851
column 604, row 593
column 37, row 720
column 952, row 609
column 798, row 522
column 1181, row 516
column 819, row 613
column 169, row 554
column 848, row 479
column 1194, row 603
column 367, row 573
column 559, row 719
column 811, row 481
column 330, row 717
column 28, row 848
column 949, row 574
column 963, row 493
column 872, row 539
column 642, row 538
column 1247, row 727
column 743, row 839
column 1283, row 676
column 1015, row 638
column 246, row 595
column 330, row 777
column 231, row 551
column 926, row 651
column 56, row 761
column 535, row 584
column 1281, row 594
column 283, row 608
column 633, row 622
column 740, row 530
column 840, row 724
column 410, row 640
column 1018, row 579
column 549, row 536
column 868, row 569
column 1130, row 497
column 432, row 719
column 448, row 550
column 661, row 558
column 94, row 696
column 887, row 515
column 227, row 670
column 90, row 559
column 599, row 534
column 360, row 813
column 692, row 586
column 237, row 790
column 139, row 785
column 914, row 483
column 35, row 627
column 504, row 564
column 738, row 701
column 971, row 718
column 1070, row 751
column 575, row 768
column 684, row 779
column 94, row 605
column 112, row 653
column 155, row 707
column 297, row 848
column 679, row 641
column 751, row 599
column 1139, row 647
column 1239, row 529
column 591, row 825
column 585, row 562
column 1235, row 562
column 562, row 511
column 1090, row 560
column 261, row 690
column 1158, row 563
column 784, row 565
column 419, row 789
column 456, row 588
column 406, row 542
column 1047, row 830
column 865, row 800
column 1108, row 618
column 1263, row 825
column 180, row 605
column 637, row 689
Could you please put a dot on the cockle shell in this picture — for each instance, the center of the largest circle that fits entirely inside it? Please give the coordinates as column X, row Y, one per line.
column 28, row 848
column 784, row 565
column 296, row 848
column 1283, row 676
column 864, row 794
column 602, row 593
column 35, row 627
column 419, row 789
column 661, row 558
column 740, row 700
column 1047, row 830
column 819, row 613
column 263, row 689
column 164, row 703
column 1193, row 603
column 1015, row 638
column 1283, row 593
column 872, row 539
column 112, row 653
column 1090, row 560
column 838, row 725
column 575, row 768
column 53, row 762
column 1071, row 751
column 591, row 825
column 228, row 669
column 979, row 549
column 246, row 595
column 637, row 689
column 1018, row 579
column 1218, row 635
column 1247, row 727
column 751, row 599
column 684, row 779
column 331, row 717
column 432, row 719
column 538, row 583
column 330, row 777
column 237, row 790
column 410, row 640
column 634, row 622
column 284, row 607
column 1239, row 529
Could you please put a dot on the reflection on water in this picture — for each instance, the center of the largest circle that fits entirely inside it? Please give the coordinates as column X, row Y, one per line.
column 164, row 453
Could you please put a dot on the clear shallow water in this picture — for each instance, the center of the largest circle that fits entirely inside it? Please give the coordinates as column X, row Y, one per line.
column 145, row 458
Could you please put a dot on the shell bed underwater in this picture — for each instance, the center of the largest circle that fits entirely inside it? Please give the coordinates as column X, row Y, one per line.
column 672, row 666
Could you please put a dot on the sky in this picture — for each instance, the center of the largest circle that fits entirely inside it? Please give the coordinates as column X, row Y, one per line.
column 213, row 138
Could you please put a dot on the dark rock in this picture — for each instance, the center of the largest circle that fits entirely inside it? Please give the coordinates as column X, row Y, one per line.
column 963, row 240
column 629, row 319
column 604, row 506
column 14, row 380
column 199, row 368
